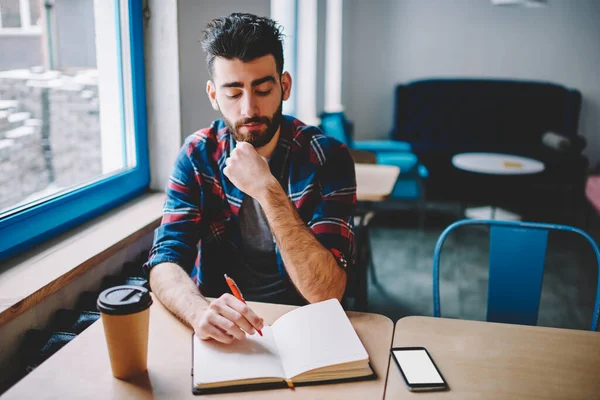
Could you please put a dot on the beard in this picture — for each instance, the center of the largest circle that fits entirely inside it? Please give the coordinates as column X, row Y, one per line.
column 257, row 138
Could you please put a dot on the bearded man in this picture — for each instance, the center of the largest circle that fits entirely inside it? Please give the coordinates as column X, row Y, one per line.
column 258, row 196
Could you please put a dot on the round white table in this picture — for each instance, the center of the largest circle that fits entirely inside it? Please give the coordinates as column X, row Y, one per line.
column 495, row 164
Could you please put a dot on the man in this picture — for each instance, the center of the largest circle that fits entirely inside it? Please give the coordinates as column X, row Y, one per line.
column 258, row 196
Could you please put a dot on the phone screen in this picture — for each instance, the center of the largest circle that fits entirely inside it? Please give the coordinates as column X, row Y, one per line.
column 417, row 367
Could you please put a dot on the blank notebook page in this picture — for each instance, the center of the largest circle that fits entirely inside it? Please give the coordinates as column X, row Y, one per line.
column 315, row 336
column 253, row 357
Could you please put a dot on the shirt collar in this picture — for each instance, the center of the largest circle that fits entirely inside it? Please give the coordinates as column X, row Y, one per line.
column 280, row 156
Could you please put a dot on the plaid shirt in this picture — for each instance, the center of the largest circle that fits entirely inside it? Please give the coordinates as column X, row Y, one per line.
column 200, row 230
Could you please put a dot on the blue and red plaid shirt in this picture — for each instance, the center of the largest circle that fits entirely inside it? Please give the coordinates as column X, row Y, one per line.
column 200, row 230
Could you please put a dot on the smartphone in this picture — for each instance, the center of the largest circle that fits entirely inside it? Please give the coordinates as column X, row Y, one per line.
column 418, row 369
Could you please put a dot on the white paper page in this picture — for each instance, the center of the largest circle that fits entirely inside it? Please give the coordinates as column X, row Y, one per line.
column 315, row 336
column 253, row 357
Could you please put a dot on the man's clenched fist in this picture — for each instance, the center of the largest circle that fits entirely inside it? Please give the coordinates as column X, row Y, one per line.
column 248, row 170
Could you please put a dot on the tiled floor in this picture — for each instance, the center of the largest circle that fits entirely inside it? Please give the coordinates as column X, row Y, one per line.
column 403, row 258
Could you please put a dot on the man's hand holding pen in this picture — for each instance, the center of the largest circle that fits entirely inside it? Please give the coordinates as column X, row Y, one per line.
column 227, row 319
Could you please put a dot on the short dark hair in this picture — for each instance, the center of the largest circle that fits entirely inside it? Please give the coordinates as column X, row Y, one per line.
column 243, row 36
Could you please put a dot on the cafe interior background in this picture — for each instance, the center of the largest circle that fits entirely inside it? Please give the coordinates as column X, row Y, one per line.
column 60, row 69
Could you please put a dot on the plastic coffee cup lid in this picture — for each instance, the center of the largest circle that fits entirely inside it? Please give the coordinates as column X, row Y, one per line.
column 124, row 299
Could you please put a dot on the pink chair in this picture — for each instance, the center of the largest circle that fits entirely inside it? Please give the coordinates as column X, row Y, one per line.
column 592, row 191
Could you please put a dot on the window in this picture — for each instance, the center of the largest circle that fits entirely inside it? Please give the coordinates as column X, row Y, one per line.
column 306, row 62
column 73, row 139
column 299, row 22
column 333, row 56
column 284, row 12
column 35, row 12
column 305, row 27
column 20, row 16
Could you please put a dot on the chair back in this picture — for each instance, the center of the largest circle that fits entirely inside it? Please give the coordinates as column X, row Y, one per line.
column 516, row 267
column 336, row 125
column 458, row 115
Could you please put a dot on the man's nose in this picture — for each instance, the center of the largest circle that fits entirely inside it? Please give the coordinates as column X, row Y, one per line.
column 249, row 106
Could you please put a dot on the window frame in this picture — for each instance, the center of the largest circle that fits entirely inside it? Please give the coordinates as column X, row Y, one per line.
column 26, row 228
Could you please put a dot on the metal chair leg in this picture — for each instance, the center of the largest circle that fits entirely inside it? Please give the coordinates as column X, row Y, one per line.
column 371, row 265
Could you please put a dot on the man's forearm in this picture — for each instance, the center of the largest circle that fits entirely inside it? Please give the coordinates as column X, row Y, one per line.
column 177, row 292
column 311, row 267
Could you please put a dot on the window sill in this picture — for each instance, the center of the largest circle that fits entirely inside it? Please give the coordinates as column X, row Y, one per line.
column 28, row 279
column 20, row 32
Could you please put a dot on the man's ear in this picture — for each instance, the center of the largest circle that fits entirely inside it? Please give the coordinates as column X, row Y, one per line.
column 211, row 91
column 286, row 84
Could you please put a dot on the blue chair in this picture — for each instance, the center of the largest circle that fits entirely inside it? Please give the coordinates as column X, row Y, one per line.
column 410, row 185
column 516, row 267
column 336, row 124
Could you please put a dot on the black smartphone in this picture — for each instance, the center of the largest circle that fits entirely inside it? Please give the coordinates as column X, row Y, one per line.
column 418, row 369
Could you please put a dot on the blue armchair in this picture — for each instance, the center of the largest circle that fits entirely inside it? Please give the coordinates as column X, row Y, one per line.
column 336, row 125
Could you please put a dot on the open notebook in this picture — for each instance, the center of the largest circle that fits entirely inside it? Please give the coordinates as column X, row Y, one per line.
column 311, row 344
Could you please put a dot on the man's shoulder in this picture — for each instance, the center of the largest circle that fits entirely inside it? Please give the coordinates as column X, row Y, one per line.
column 310, row 140
column 206, row 140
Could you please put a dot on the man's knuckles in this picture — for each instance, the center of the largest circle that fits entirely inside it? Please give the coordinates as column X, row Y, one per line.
column 238, row 319
column 244, row 146
column 228, row 325
column 215, row 306
column 245, row 310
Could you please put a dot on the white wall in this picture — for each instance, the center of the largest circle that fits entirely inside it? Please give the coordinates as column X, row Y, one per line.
column 162, row 89
column 391, row 41
column 193, row 15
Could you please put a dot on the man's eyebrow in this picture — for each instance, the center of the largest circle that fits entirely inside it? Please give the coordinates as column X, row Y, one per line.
column 254, row 83
column 260, row 81
column 232, row 85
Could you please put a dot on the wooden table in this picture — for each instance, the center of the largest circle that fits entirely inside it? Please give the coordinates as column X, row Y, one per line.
column 483, row 360
column 375, row 182
column 496, row 164
column 81, row 369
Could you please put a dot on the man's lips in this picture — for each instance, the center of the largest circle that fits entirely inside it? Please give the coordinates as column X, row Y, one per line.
column 253, row 124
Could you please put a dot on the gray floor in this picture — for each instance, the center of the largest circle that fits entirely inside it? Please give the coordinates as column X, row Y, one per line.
column 403, row 256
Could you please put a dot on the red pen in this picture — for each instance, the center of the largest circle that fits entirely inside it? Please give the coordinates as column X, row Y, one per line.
column 236, row 292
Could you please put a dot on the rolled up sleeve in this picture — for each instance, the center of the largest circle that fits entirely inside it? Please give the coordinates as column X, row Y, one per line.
column 176, row 239
column 332, row 222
